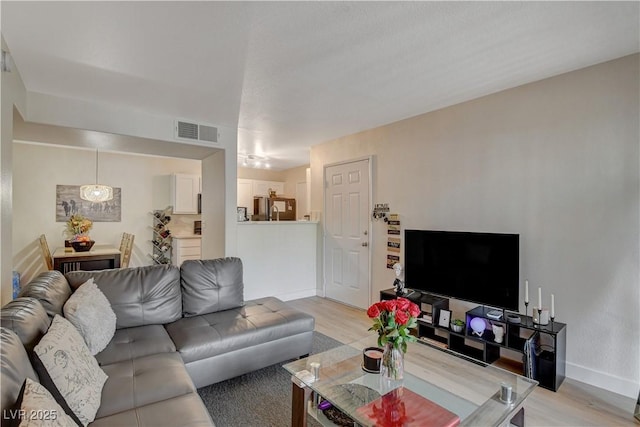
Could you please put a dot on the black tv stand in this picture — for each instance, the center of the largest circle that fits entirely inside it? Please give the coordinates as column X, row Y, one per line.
column 409, row 293
column 549, row 361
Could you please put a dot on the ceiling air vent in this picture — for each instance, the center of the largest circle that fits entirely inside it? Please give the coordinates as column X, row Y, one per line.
column 208, row 133
column 195, row 132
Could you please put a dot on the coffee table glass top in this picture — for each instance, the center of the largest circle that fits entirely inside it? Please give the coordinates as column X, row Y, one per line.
column 469, row 389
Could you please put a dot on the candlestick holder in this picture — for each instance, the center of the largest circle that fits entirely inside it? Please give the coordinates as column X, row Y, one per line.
column 539, row 317
column 552, row 322
column 526, row 312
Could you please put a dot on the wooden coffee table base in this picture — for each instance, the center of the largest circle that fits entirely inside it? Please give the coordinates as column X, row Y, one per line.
column 300, row 395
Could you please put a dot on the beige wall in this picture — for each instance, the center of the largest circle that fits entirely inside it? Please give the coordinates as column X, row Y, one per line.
column 556, row 161
column 290, row 177
column 38, row 168
column 13, row 98
column 261, row 174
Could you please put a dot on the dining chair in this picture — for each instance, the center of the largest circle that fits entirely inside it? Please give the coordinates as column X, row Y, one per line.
column 126, row 246
column 46, row 253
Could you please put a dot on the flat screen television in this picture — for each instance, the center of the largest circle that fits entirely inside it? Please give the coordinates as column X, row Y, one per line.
column 477, row 267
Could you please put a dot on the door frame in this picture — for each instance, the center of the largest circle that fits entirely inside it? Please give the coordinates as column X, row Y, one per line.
column 369, row 222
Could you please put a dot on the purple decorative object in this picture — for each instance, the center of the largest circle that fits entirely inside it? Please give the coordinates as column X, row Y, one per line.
column 325, row 404
column 478, row 325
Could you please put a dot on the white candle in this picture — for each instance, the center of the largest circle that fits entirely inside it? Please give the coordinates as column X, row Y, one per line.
column 526, row 291
column 553, row 306
column 539, row 298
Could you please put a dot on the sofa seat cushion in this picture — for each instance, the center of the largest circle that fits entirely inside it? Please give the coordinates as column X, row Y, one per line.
column 139, row 341
column 142, row 381
column 185, row 411
column 258, row 321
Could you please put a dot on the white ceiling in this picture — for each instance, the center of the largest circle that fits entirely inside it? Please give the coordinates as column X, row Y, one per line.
column 293, row 74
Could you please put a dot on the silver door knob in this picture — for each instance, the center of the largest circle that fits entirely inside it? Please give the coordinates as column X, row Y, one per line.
column 365, row 244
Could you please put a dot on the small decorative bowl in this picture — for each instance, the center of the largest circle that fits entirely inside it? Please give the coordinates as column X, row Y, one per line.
column 83, row 246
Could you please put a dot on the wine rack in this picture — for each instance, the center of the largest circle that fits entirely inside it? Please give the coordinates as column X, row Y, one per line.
column 161, row 240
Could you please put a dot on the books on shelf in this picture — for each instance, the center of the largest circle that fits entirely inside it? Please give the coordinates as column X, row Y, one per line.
column 427, row 318
column 531, row 353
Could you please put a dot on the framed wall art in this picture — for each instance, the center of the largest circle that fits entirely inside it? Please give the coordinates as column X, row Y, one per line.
column 68, row 202
column 445, row 317
column 242, row 214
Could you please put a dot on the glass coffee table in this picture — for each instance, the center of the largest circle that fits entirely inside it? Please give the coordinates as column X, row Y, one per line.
column 436, row 382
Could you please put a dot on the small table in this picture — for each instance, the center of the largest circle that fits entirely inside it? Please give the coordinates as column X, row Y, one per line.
column 100, row 257
column 465, row 387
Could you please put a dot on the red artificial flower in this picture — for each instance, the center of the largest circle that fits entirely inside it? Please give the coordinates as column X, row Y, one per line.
column 414, row 310
column 403, row 304
column 389, row 305
column 373, row 311
column 392, row 320
column 402, row 317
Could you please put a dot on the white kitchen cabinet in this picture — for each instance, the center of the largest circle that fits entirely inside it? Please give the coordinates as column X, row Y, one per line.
column 245, row 194
column 184, row 193
column 185, row 248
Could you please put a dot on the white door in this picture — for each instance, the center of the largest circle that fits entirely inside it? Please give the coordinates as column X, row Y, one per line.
column 346, row 238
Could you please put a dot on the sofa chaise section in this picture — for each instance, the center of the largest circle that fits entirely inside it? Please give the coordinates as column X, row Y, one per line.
column 223, row 345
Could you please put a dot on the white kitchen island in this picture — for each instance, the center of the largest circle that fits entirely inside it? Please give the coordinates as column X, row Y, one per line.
column 279, row 258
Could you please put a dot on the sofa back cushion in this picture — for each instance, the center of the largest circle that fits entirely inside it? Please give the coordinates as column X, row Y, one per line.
column 15, row 367
column 51, row 289
column 139, row 296
column 27, row 318
column 211, row 285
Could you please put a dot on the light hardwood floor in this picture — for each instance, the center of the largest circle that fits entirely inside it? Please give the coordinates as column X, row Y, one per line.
column 574, row 404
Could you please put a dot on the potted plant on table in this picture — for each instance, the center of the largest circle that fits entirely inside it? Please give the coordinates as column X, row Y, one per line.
column 457, row 325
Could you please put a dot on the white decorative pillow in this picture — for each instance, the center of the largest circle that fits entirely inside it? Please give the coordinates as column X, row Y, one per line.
column 76, row 379
column 39, row 408
column 90, row 312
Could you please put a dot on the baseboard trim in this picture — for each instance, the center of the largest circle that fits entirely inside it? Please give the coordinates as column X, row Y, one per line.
column 623, row 386
column 297, row 294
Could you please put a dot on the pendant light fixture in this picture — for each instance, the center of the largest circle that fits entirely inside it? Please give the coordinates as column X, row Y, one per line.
column 96, row 192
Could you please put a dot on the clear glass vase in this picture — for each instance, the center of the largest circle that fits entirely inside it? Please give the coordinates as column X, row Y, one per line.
column 392, row 366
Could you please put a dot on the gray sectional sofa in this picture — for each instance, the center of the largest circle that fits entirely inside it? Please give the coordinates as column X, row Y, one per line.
column 176, row 329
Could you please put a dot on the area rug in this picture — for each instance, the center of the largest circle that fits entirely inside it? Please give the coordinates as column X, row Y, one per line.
column 258, row 399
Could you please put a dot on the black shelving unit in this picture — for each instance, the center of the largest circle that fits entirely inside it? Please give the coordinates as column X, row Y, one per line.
column 161, row 241
column 550, row 341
